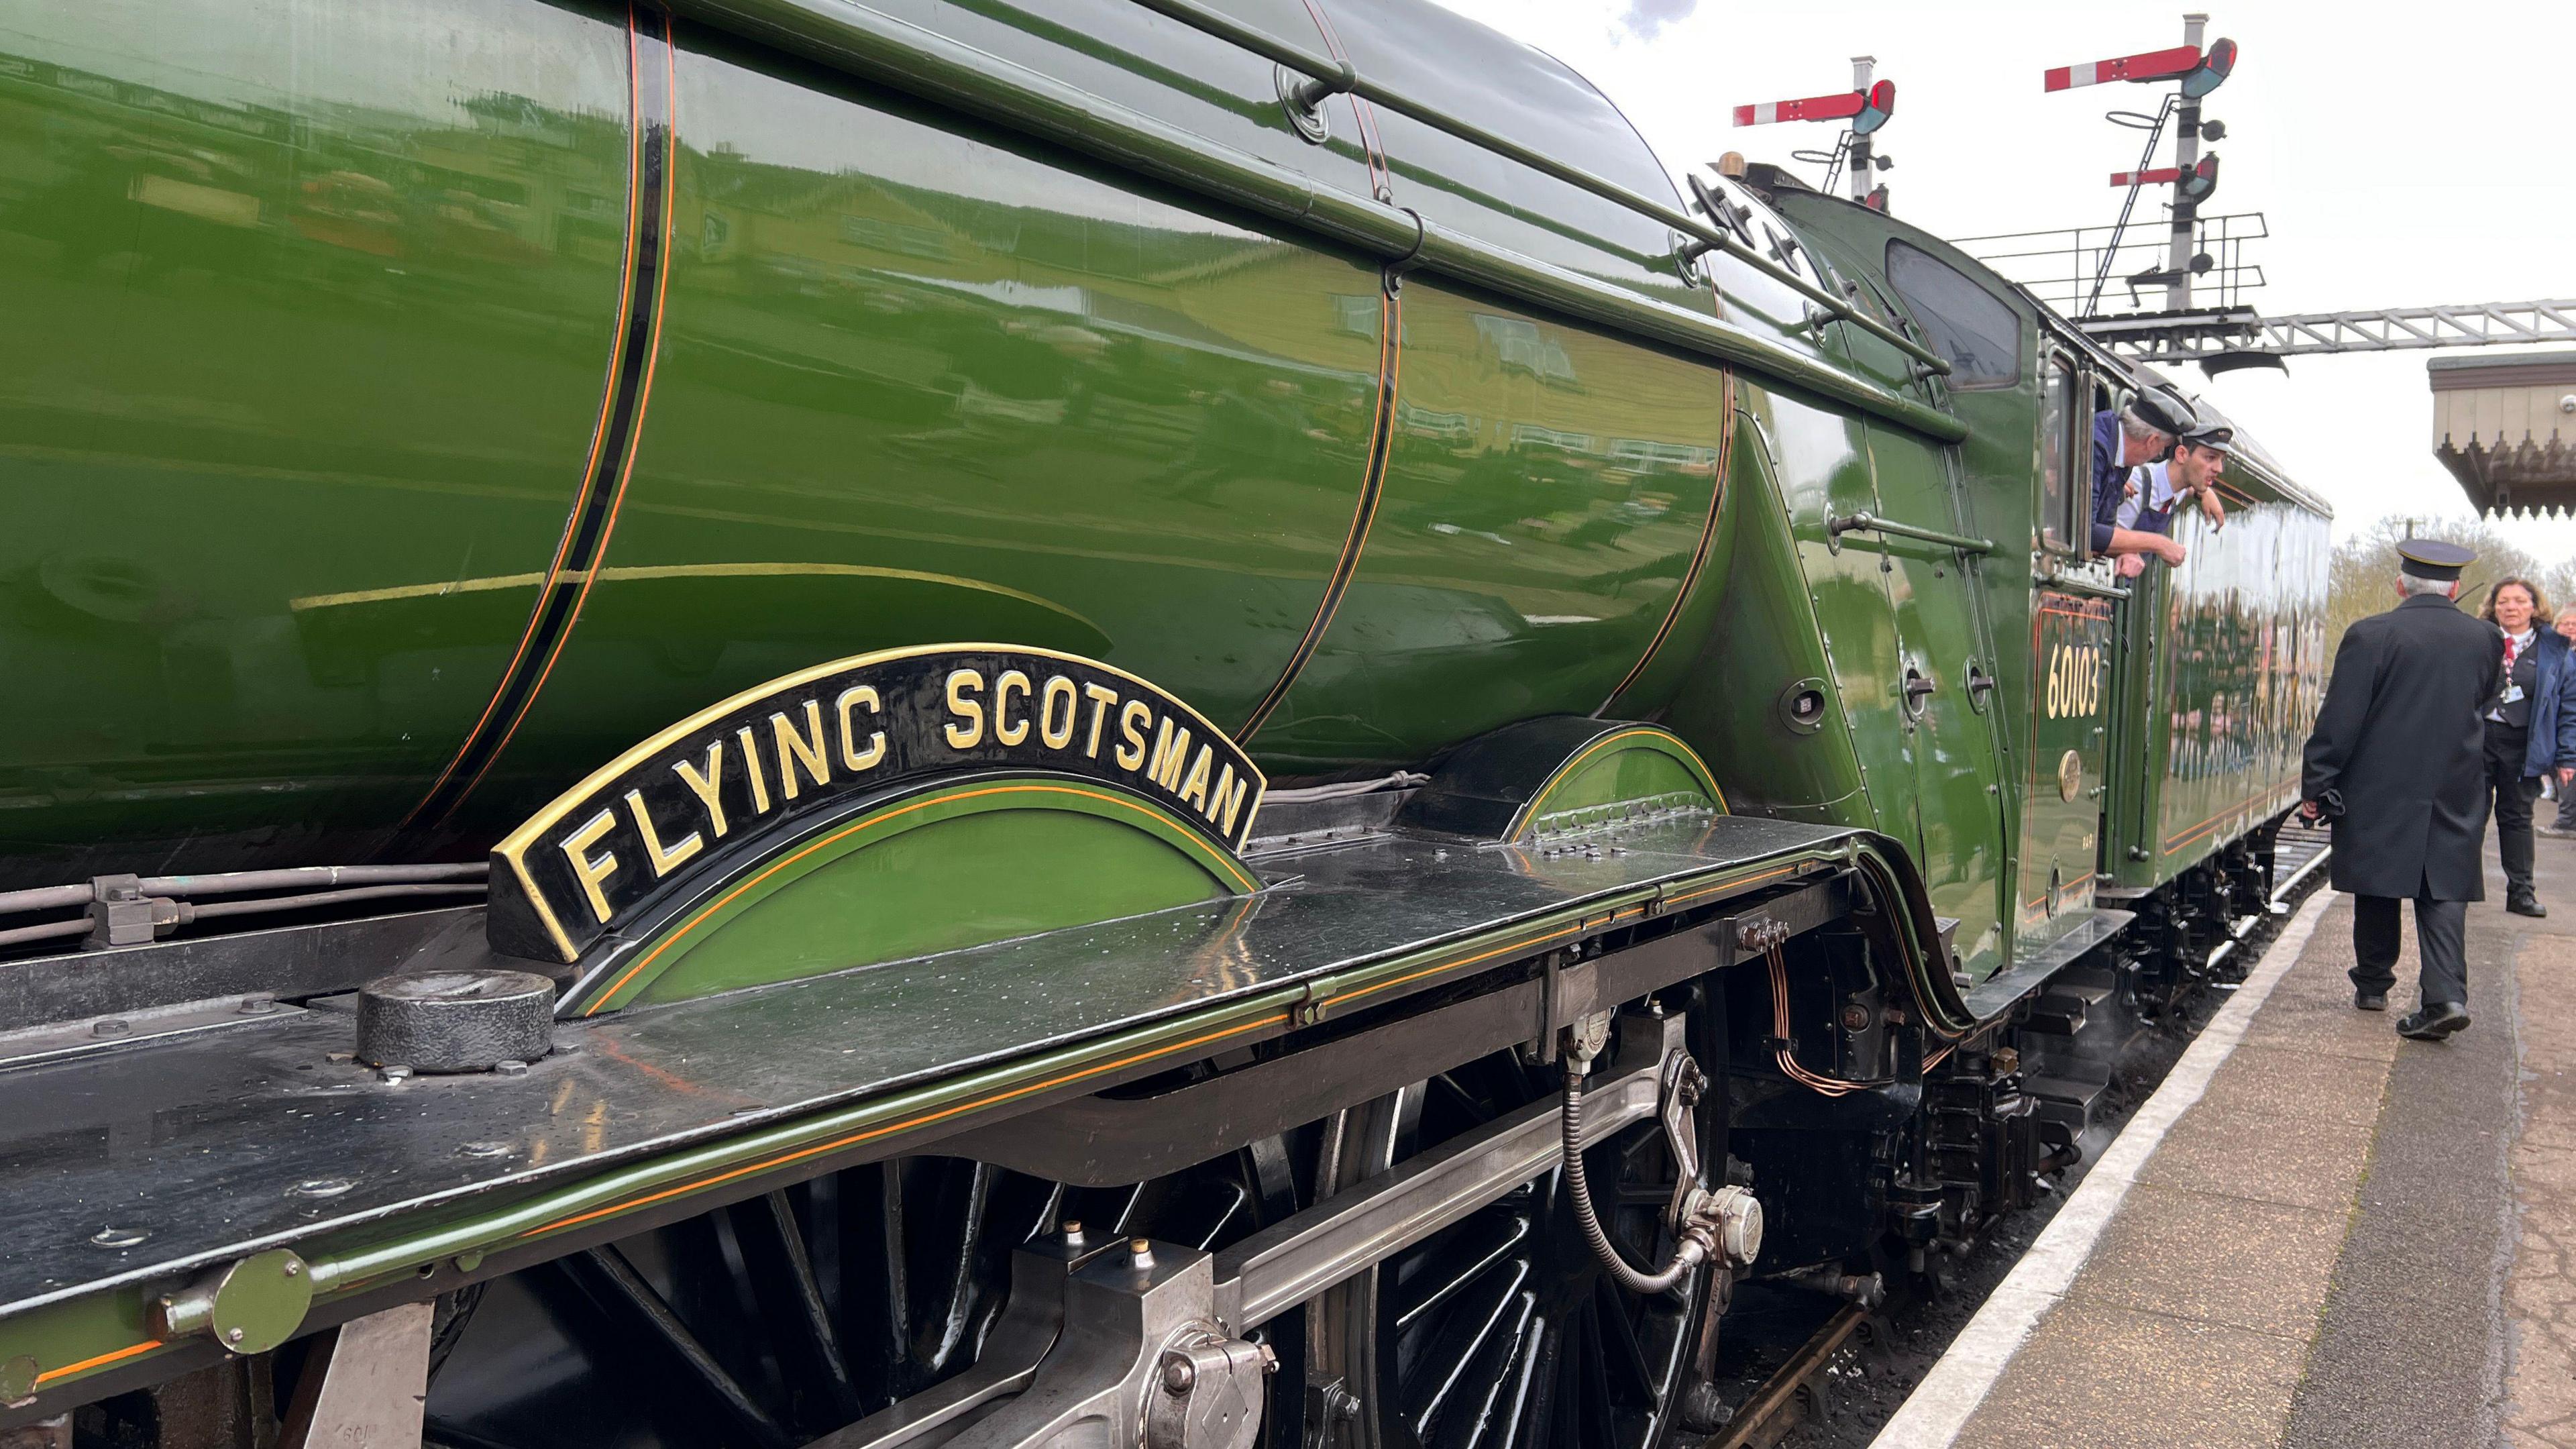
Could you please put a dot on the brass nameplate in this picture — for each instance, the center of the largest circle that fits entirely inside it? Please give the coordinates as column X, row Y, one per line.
column 759, row 766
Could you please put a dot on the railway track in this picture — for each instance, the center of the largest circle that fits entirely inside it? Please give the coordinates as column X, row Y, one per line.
column 1820, row 1373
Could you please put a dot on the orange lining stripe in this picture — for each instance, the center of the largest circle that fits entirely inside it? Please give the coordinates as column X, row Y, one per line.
column 871, row 823
column 2203, row 826
column 2042, row 898
column 1722, row 885
column 598, row 430
column 926, row 1118
column 1372, row 496
column 643, row 400
column 1358, row 992
column 1612, row 738
column 99, row 1361
column 1707, row 534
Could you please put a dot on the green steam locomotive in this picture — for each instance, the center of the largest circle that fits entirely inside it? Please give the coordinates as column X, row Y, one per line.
column 1166, row 722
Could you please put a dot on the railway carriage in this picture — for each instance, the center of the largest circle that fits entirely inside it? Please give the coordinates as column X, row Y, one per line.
column 781, row 722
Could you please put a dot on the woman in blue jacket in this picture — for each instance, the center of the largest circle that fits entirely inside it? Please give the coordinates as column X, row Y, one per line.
column 2531, row 728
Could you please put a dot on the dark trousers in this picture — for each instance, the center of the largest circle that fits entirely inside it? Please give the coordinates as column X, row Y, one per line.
column 2514, row 792
column 2440, row 935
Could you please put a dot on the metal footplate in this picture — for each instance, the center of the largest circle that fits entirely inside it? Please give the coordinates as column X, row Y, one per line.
column 1134, row 1342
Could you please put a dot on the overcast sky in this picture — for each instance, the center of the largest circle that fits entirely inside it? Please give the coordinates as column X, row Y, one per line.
column 2404, row 156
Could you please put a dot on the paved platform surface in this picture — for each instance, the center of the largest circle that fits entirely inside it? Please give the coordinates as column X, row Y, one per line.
column 2316, row 1234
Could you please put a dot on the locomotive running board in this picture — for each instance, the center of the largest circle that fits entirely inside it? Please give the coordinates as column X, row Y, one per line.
column 387, row 1190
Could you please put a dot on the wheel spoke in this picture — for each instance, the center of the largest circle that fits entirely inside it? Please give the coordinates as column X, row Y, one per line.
column 895, row 1244
column 1218, row 1205
column 1600, row 1423
column 1445, row 1358
column 615, row 1285
column 1532, row 1368
column 1471, row 1421
column 1273, row 1177
column 1631, row 1379
column 1449, row 1095
column 1563, row 1428
column 1124, row 1223
column 775, row 1246
column 1484, row 1240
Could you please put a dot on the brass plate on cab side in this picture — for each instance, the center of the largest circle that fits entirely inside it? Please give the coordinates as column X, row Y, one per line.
column 2070, row 775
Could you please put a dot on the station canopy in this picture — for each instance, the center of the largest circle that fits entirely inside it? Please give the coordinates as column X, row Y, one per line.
column 2505, row 425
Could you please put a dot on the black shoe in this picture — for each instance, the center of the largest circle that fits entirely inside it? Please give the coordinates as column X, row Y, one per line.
column 2436, row 1021
column 2525, row 904
column 2370, row 1001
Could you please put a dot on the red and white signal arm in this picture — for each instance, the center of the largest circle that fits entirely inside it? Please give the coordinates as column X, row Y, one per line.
column 2202, row 180
column 1866, row 110
column 2153, row 65
column 2199, row 73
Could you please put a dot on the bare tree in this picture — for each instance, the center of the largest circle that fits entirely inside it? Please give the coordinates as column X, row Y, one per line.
column 2363, row 564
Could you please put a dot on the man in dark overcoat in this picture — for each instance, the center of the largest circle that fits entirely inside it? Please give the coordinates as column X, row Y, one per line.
column 2395, row 763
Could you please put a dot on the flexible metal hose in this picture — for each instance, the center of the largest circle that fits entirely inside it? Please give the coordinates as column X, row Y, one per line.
column 1570, row 1122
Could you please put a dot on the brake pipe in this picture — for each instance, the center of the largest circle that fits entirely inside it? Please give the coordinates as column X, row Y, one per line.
column 1687, row 1256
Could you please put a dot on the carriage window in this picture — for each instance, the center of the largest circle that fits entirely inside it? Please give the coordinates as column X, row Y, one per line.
column 1968, row 325
column 2058, row 524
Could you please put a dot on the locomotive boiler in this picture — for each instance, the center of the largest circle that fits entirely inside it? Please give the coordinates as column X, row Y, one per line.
column 1174, row 722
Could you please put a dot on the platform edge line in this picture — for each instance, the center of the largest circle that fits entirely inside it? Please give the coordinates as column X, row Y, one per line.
column 1958, row 1384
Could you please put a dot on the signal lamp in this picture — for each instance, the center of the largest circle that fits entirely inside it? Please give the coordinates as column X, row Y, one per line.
column 2212, row 72
column 1875, row 107
column 2199, row 182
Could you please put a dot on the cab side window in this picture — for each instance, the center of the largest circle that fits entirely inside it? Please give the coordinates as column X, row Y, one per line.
column 1972, row 328
column 2061, row 526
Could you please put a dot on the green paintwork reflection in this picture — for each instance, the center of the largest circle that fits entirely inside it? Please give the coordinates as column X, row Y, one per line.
column 894, row 345
column 916, row 878
column 1822, row 471
column 1942, row 634
column 301, row 301
column 1984, row 609
column 2234, row 681
column 1545, row 492
column 1740, row 652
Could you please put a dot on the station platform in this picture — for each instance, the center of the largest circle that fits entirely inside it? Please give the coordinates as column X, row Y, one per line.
column 2315, row 1234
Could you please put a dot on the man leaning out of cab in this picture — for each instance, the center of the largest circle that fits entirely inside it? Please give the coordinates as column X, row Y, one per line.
column 2159, row 490
column 2139, row 432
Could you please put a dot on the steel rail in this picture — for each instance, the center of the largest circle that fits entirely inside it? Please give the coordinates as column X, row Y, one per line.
column 1329, row 76
column 2315, row 863
column 896, row 53
column 1784, row 1400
